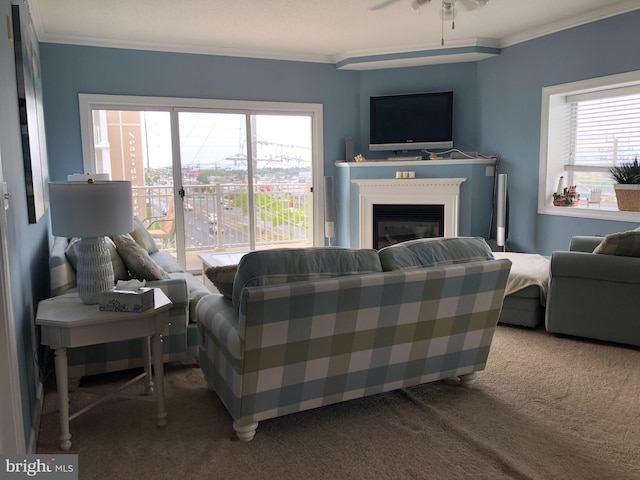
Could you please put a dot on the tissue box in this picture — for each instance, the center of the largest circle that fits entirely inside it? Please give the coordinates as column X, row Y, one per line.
column 126, row 300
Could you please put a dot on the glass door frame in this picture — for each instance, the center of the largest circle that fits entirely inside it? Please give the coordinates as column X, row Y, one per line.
column 90, row 102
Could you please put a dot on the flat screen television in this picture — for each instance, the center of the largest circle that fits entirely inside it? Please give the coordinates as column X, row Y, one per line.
column 413, row 121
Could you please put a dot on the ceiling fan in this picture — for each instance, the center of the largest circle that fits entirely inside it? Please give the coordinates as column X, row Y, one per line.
column 446, row 4
column 448, row 11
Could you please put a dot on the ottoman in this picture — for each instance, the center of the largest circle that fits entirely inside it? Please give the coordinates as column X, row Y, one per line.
column 526, row 292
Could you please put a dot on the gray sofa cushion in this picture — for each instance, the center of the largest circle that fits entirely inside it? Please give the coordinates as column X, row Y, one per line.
column 430, row 252
column 166, row 261
column 285, row 265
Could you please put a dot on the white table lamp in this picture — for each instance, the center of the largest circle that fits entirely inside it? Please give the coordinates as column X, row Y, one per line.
column 91, row 210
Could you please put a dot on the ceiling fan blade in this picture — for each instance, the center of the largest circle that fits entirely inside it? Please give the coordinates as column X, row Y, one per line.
column 416, row 4
column 472, row 4
column 383, row 4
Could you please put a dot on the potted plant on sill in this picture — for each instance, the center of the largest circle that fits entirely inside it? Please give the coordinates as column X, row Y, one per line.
column 627, row 176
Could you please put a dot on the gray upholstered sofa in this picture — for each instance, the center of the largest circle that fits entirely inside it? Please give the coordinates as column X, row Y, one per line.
column 136, row 256
column 311, row 327
column 596, row 295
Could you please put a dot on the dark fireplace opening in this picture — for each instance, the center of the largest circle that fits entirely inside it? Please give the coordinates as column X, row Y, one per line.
column 399, row 223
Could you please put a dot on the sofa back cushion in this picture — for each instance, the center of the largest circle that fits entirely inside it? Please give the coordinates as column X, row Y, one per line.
column 285, row 265
column 431, row 252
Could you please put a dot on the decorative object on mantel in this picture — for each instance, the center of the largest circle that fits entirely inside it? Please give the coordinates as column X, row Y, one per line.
column 628, row 187
column 568, row 198
column 405, row 174
column 434, row 156
column 359, row 158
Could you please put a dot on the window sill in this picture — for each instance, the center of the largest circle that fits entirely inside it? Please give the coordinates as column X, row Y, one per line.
column 593, row 212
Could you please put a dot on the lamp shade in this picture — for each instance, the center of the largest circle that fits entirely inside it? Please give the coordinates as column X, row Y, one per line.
column 90, row 209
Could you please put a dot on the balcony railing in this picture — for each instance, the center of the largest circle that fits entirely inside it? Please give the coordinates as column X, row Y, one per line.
column 216, row 216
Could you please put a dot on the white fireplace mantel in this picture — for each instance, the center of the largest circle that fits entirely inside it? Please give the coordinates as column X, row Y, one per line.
column 408, row 191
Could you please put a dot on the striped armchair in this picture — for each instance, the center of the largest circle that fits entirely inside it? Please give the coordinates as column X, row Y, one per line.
column 289, row 342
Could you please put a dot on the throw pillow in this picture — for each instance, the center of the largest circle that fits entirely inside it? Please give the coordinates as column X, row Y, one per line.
column 137, row 259
column 120, row 271
column 433, row 252
column 222, row 278
column 142, row 236
column 624, row 244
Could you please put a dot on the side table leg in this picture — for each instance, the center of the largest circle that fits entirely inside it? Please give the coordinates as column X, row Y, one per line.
column 146, row 352
column 62, row 382
column 158, row 370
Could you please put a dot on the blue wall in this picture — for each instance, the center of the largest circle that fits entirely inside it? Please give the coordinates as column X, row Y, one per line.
column 509, row 92
column 497, row 102
column 70, row 70
column 459, row 77
column 28, row 244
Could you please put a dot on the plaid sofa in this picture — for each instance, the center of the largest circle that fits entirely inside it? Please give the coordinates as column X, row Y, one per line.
column 282, row 347
column 180, row 342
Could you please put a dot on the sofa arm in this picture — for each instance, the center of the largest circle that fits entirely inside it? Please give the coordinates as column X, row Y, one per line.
column 61, row 274
column 606, row 268
column 585, row 244
column 176, row 290
column 218, row 319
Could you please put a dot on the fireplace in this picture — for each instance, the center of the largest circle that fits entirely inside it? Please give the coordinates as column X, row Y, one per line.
column 399, row 223
column 443, row 193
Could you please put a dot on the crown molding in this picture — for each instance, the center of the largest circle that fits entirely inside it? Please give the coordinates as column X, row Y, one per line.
column 194, row 49
column 574, row 21
column 400, row 56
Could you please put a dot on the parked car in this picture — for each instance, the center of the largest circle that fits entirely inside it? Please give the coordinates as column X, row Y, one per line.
column 188, row 207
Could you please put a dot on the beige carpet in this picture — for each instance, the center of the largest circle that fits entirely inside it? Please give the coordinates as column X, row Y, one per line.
column 545, row 408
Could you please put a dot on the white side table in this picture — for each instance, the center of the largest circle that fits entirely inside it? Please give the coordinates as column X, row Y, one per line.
column 66, row 322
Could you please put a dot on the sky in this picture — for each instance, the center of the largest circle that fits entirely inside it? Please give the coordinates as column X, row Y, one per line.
column 218, row 140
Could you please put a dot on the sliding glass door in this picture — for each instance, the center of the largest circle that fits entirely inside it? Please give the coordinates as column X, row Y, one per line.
column 207, row 179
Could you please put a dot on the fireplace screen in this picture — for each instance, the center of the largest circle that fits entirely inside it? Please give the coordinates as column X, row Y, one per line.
column 399, row 223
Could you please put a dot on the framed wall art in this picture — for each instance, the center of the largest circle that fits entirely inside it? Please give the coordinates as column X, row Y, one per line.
column 29, row 83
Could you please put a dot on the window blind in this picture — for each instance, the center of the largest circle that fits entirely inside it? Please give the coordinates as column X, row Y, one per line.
column 604, row 131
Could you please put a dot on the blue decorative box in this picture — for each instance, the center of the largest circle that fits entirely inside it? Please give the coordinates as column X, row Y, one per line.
column 126, row 300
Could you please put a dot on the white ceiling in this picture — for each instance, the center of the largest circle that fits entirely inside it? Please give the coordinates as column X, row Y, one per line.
column 328, row 31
